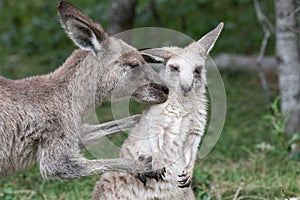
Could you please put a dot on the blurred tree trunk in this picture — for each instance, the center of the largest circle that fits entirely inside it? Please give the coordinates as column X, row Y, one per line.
column 288, row 62
column 121, row 15
column 241, row 62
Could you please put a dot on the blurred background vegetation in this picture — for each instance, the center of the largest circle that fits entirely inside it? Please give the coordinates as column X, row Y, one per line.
column 250, row 160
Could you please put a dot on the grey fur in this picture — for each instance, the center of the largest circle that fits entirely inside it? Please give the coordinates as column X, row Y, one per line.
column 42, row 117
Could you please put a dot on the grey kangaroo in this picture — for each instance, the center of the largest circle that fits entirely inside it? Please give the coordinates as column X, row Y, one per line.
column 42, row 117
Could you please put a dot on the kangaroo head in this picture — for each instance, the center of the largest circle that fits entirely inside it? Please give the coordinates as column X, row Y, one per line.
column 119, row 60
column 184, row 67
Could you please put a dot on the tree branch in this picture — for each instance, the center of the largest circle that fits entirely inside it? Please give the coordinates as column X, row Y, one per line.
column 268, row 29
column 244, row 62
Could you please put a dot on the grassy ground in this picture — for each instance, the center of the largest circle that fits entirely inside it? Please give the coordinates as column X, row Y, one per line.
column 235, row 168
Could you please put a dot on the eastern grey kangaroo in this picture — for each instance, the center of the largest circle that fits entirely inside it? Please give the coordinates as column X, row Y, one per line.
column 41, row 117
column 170, row 132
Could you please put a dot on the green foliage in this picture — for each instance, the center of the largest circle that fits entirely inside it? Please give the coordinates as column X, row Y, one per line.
column 8, row 193
column 241, row 34
column 31, row 39
column 282, row 141
column 278, row 122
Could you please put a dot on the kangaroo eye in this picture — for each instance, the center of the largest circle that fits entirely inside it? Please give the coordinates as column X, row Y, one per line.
column 133, row 65
column 198, row 70
column 174, row 68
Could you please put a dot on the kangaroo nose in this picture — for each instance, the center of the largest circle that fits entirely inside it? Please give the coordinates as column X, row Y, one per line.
column 163, row 88
column 186, row 88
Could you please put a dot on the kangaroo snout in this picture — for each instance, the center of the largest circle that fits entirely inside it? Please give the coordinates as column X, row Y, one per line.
column 152, row 93
column 186, row 88
column 160, row 87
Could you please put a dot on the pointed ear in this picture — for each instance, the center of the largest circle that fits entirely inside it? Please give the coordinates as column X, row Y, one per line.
column 157, row 55
column 85, row 33
column 207, row 42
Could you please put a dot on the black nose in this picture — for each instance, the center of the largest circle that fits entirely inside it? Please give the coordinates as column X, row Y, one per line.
column 163, row 88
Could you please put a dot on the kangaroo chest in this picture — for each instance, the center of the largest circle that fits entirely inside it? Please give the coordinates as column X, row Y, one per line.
column 162, row 132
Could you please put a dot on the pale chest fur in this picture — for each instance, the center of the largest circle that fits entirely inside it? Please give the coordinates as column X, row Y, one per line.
column 163, row 132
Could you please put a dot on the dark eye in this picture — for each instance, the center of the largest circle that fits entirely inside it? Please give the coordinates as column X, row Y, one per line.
column 198, row 70
column 133, row 65
column 174, row 68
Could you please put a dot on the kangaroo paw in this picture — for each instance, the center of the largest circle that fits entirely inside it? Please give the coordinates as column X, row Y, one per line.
column 185, row 179
column 157, row 175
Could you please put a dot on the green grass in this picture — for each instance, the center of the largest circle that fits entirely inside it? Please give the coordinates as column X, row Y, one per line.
column 234, row 165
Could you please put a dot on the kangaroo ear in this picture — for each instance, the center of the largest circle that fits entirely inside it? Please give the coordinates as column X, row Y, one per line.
column 85, row 33
column 157, row 55
column 208, row 41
